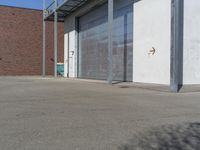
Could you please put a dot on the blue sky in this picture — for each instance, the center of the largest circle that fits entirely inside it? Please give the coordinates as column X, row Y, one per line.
column 35, row 4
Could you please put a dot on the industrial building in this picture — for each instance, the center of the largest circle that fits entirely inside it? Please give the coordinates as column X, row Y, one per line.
column 21, row 42
column 143, row 41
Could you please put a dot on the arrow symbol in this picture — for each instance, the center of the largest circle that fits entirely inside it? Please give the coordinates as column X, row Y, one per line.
column 152, row 51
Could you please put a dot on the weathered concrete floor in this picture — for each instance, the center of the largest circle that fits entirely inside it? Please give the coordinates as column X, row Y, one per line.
column 60, row 114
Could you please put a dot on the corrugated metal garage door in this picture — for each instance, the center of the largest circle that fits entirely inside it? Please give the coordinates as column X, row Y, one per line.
column 93, row 42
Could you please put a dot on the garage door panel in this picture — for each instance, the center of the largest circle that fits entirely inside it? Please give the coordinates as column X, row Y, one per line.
column 93, row 42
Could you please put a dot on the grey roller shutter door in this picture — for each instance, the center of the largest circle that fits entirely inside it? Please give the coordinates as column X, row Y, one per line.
column 93, row 42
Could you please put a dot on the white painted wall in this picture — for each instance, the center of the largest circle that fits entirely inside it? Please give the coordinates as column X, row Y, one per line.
column 66, row 71
column 152, row 26
column 70, row 54
column 191, row 52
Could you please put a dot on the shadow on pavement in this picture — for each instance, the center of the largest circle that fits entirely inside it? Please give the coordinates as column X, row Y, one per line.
column 169, row 137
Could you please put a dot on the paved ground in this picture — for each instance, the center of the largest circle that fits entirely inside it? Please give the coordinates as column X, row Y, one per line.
column 49, row 114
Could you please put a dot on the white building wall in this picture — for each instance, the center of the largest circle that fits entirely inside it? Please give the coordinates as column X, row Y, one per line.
column 66, row 56
column 191, row 43
column 70, row 48
column 152, row 27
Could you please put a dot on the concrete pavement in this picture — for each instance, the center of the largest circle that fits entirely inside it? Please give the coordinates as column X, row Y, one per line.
column 59, row 114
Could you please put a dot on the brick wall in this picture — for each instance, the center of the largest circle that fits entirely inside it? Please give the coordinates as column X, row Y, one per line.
column 21, row 42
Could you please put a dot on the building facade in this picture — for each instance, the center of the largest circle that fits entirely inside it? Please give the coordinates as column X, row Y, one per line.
column 145, row 41
column 21, row 42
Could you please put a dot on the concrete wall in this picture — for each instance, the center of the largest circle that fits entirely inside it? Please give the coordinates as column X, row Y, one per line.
column 21, row 42
column 191, row 43
column 152, row 26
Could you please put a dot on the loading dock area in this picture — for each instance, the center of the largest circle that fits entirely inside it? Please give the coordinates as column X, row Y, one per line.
column 134, row 40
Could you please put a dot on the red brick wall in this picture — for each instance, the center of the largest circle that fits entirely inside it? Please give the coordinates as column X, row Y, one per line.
column 21, row 42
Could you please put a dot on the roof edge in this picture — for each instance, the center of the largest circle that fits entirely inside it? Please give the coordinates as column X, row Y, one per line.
column 16, row 7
